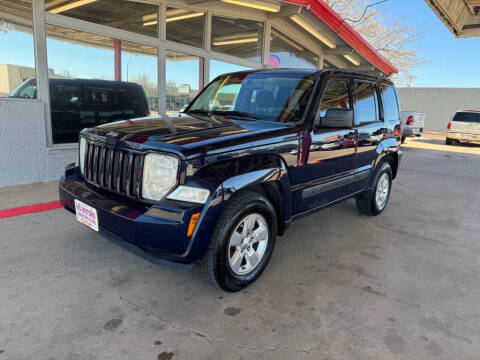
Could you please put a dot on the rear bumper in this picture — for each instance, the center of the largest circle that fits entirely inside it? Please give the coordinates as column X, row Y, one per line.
column 413, row 131
column 159, row 230
column 463, row 137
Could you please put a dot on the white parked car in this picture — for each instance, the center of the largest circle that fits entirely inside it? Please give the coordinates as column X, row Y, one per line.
column 464, row 126
column 413, row 123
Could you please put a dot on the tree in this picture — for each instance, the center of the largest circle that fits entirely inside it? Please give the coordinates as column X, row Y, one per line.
column 390, row 36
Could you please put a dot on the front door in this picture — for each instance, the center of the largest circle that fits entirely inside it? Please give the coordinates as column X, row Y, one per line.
column 328, row 154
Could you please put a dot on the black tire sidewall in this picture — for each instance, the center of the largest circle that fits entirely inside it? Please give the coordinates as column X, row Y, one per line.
column 226, row 278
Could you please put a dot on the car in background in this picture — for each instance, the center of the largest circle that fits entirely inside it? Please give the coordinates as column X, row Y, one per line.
column 80, row 103
column 413, row 123
column 464, row 126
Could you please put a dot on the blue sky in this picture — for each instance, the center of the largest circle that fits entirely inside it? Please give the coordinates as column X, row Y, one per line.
column 448, row 62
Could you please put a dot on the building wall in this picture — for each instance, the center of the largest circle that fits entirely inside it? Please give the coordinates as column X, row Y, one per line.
column 439, row 104
column 24, row 156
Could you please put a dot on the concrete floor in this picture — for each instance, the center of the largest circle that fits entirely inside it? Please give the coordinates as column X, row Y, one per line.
column 403, row 285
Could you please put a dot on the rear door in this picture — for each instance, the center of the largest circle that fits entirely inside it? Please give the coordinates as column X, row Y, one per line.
column 371, row 128
column 466, row 122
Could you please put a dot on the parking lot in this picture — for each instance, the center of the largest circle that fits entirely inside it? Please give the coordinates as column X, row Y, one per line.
column 403, row 285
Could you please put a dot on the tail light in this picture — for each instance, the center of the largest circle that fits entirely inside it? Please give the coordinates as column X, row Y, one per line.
column 410, row 120
column 449, row 126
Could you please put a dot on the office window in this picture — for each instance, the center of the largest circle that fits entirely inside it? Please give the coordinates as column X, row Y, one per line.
column 183, row 80
column 185, row 26
column 237, row 37
column 366, row 105
column 287, row 53
column 137, row 17
column 17, row 56
column 89, row 88
column 221, row 67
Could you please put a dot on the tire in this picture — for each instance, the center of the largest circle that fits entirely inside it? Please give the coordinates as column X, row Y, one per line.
column 222, row 252
column 403, row 140
column 449, row 141
column 367, row 202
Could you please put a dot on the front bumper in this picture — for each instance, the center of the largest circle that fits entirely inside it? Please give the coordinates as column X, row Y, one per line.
column 159, row 229
column 463, row 137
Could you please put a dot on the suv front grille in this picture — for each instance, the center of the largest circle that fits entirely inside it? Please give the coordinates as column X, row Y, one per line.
column 115, row 169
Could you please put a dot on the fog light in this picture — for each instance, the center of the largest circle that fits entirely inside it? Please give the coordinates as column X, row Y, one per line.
column 189, row 194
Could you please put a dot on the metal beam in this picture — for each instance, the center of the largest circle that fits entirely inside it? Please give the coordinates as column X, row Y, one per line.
column 287, row 11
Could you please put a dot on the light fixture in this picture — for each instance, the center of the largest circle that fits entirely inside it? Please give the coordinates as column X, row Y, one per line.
column 71, row 5
column 352, row 58
column 186, row 16
column 255, row 4
column 297, row 19
column 237, row 41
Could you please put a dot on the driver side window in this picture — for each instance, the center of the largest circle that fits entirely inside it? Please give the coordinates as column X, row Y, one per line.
column 336, row 96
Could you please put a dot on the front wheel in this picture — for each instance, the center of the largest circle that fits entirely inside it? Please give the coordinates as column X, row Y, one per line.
column 242, row 243
column 403, row 140
column 374, row 201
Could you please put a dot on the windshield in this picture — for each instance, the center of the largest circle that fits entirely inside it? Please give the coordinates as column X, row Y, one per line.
column 280, row 97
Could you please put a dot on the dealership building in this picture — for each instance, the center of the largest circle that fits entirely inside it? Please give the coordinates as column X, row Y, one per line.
column 170, row 49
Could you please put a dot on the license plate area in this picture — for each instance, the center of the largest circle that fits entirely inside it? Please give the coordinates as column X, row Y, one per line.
column 86, row 214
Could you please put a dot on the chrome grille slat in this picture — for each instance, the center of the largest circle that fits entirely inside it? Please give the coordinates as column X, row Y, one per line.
column 114, row 169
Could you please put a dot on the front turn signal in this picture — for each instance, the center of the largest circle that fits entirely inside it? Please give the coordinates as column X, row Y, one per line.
column 193, row 222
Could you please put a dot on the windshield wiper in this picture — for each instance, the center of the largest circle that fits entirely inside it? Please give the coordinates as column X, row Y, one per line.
column 238, row 114
column 200, row 111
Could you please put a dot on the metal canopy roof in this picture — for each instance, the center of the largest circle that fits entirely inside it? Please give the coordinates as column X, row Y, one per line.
column 462, row 17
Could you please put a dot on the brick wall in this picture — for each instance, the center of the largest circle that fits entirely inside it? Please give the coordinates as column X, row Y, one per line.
column 24, row 157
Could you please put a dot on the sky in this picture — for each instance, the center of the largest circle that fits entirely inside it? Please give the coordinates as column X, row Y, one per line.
column 447, row 61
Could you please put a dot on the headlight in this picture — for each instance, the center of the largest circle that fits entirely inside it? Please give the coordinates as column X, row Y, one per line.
column 81, row 153
column 159, row 175
column 189, row 194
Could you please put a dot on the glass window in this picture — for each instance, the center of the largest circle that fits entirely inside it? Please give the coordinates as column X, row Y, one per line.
column 471, row 117
column 17, row 58
column 287, row 53
column 138, row 17
column 390, row 104
column 86, row 87
column 366, row 105
column 185, row 26
column 237, row 37
column 183, row 80
column 336, row 96
column 257, row 96
column 220, row 67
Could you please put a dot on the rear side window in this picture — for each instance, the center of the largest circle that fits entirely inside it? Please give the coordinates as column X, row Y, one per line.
column 335, row 97
column 366, row 105
column 65, row 95
column 390, row 104
column 132, row 98
column 471, row 117
column 101, row 97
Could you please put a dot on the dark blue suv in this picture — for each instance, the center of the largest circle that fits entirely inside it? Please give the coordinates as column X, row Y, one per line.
column 254, row 151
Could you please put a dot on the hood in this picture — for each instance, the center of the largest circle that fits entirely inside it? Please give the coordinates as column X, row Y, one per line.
column 190, row 135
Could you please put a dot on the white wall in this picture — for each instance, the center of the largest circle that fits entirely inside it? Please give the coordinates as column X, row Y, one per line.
column 439, row 104
column 24, row 156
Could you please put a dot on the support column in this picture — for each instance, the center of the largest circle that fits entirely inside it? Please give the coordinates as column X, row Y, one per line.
column 201, row 67
column 117, row 48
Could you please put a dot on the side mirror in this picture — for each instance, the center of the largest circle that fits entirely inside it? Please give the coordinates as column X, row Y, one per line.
column 337, row 118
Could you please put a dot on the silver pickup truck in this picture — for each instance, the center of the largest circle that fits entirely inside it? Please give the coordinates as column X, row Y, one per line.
column 464, row 126
column 413, row 123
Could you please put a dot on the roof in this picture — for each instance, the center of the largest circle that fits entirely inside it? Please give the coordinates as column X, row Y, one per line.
column 325, row 13
column 461, row 17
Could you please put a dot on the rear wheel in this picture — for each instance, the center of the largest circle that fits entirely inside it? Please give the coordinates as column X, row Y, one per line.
column 403, row 140
column 374, row 201
column 448, row 141
column 242, row 243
